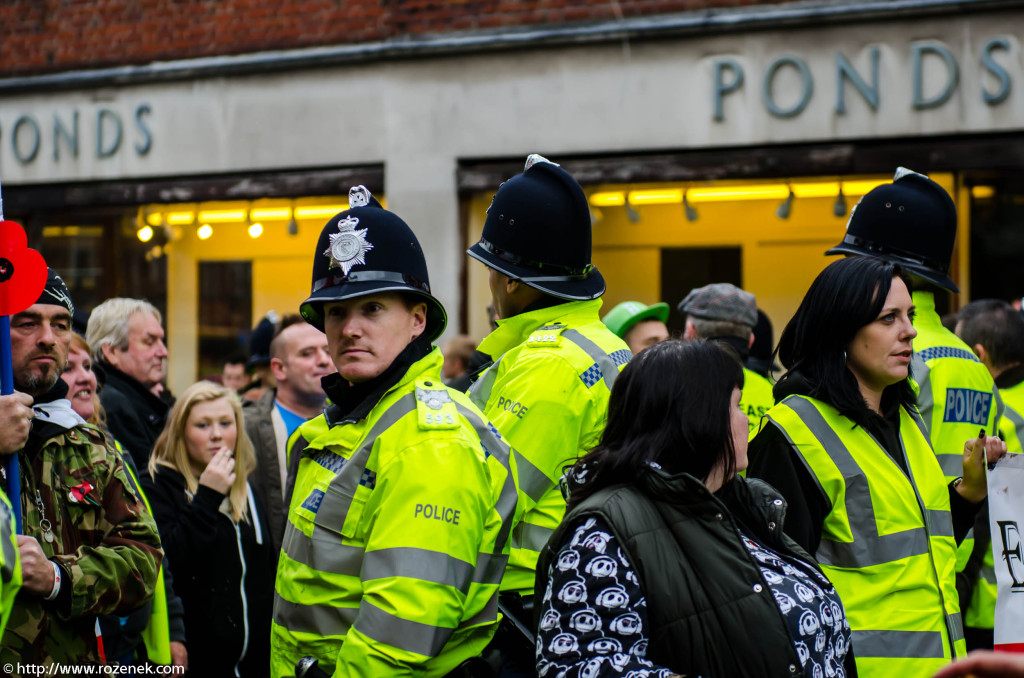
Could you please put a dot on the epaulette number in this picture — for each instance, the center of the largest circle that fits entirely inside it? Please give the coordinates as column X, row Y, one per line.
column 439, row 418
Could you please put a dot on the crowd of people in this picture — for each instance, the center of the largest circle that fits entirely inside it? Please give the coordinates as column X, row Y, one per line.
column 574, row 495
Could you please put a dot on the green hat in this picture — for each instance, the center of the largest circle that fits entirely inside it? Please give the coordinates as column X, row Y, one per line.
column 621, row 319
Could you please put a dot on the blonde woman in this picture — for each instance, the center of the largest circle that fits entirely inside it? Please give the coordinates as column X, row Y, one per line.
column 214, row 532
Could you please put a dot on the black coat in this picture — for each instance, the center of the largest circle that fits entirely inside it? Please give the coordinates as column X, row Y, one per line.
column 202, row 546
column 135, row 416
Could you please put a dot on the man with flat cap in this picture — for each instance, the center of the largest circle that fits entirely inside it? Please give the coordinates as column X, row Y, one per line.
column 554, row 361
column 89, row 547
column 397, row 532
column 724, row 313
column 912, row 221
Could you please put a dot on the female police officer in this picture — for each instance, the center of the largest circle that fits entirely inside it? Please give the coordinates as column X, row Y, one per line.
column 399, row 518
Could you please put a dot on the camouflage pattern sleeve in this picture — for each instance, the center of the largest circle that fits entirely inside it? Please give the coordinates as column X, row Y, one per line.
column 114, row 566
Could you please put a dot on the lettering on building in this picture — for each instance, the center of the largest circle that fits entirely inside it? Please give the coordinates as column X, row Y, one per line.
column 68, row 134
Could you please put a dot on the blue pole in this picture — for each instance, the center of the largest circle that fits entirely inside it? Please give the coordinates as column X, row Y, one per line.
column 7, row 388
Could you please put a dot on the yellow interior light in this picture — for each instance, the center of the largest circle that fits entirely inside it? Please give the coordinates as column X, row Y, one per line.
column 608, row 199
column 656, row 197
column 861, row 187
column 180, row 218
column 982, row 192
column 824, row 189
column 145, row 233
column 204, row 231
column 255, row 230
column 724, row 193
column 271, row 213
column 220, row 216
column 154, row 218
column 315, row 211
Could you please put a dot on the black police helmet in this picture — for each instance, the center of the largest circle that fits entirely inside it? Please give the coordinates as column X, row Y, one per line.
column 538, row 232
column 911, row 221
column 369, row 250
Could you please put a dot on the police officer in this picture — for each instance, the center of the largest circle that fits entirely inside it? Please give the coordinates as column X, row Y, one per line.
column 995, row 332
column 554, row 360
column 912, row 222
column 399, row 519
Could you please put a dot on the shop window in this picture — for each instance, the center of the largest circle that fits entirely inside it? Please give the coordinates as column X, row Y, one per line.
column 997, row 238
column 684, row 268
column 225, row 312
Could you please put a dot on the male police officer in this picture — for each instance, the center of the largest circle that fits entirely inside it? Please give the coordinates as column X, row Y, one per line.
column 912, row 221
column 554, row 360
column 403, row 502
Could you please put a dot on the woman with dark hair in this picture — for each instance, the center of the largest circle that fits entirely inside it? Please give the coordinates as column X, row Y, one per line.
column 666, row 558
column 848, row 450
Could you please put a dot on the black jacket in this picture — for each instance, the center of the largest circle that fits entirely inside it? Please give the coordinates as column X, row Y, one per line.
column 206, row 554
column 135, row 416
column 705, row 592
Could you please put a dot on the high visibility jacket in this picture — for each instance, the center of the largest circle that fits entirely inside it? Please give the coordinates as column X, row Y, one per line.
column 10, row 564
column 547, row 392
column 396, row 537
column 887, row 543
column 1011, row 425
column 756, row 398
column 956, row 393
column 981, row 611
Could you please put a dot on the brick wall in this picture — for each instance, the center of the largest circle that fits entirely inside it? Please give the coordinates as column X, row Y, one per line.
column 43, row 36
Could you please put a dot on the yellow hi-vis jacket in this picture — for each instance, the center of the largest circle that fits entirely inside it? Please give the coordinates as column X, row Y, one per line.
column 10, row 564
column 981, row 612
column 887, row 543
column 397, row 536
column 756, row 399
column 547, row 392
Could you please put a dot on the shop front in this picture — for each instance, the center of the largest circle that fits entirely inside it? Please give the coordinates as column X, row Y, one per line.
column 729, row 147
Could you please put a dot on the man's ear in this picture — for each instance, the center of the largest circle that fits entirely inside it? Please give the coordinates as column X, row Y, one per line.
column 511, row 285
column 277, row 368
column 980, row 351
column 751, row 344
column 690, row 333
column 419, row 319
column 108, row 354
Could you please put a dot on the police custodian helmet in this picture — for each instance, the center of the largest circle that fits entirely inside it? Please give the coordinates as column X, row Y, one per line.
column 911, row 221
column 537, row 231
column 369, row 250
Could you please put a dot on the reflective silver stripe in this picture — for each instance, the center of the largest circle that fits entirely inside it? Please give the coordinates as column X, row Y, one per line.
column 956, row 626
column 884, row 643
column 489, row 613
column 534, row 482
column 499, row 449
column 319, row 620
column 421, row 564
column 343, row 487
column 920, row 373
column 490, row 568
column 404, row 634
column 609, row 370
column 952, row 464
column 480, row 391
column 868, row 547
column 531, row 537
column 1016, row 419
column 940, row 523
column 324, row 552
column 989, row 574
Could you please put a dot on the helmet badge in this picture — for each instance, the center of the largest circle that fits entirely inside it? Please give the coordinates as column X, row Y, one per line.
column 348, row 245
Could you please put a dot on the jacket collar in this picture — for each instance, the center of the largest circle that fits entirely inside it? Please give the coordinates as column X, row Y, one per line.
column 515, row 330
column 117, row 379
column 924, row 307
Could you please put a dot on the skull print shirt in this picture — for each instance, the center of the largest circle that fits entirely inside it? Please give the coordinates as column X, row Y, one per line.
column 594, row 615
column 811, row 607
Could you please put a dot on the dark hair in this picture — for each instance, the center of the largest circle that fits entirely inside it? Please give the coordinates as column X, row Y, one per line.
column 846, row 296
column 670, row 405
column 236, row 359
column 997, row 326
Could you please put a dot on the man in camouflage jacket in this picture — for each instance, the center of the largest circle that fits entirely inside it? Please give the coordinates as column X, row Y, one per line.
column 89, row 546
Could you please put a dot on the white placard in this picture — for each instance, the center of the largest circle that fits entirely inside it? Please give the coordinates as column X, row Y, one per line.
column 1006, row 522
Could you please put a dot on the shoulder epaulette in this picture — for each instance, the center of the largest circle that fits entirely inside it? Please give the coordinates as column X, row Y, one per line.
column 435, row 409
column 546, row 336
